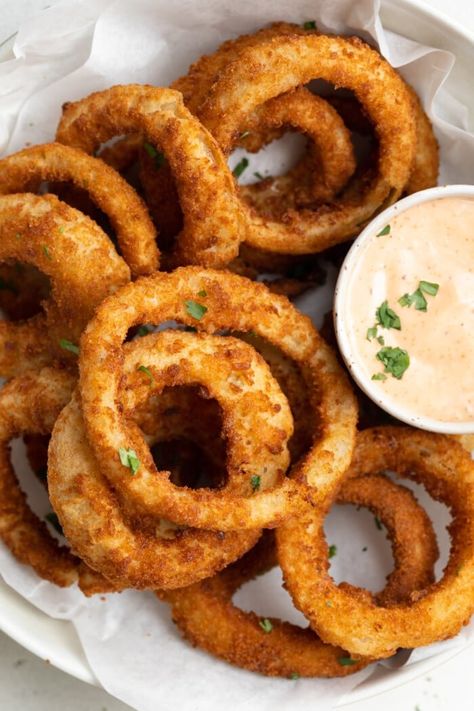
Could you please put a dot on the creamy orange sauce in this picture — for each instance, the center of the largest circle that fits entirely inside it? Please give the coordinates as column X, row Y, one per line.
column 432, row 242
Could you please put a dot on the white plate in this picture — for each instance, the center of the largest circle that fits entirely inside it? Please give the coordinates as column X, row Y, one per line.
column 56, row 640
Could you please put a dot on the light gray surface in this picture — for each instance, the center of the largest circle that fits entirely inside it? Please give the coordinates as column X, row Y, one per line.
column 30, row 684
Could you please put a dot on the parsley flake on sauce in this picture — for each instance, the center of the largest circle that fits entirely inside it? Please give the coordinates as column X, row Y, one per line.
column 396, row 360
column 385, row 231
column 417, row 298
column 386, row 317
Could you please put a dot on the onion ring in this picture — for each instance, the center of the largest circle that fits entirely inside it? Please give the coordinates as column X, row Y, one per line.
column 31, row 404
column 213, row 216
column 230, row 302
column 136, row 235
column 135, row 553
column 206, row 616
column 424, row 170
column 327, row 164
column 447, row 471
column 322, row 172
column 250, row 400
column 331, row 147
column 254, row 78
column 81, row 263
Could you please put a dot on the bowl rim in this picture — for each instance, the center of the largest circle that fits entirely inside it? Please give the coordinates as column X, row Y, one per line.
column 70, row 657
column 342, row 294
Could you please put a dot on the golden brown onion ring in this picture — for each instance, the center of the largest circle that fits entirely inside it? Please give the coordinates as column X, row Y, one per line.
column 324, row 170
column 255, row 78
column 299, row 109
column 425, row 167
column 142, row 553
column 234, row 375
column 213, row 217
column 81, row 263
column 223, row 301
column 207, row 617
column 355, row 620
column 31, row 404
column 135, row 232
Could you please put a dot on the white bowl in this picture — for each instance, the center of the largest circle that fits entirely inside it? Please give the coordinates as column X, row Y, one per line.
column 342, row 297
column 56, row 640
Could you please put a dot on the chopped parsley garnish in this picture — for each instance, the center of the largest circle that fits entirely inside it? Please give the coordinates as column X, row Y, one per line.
column 69, row 346
column 53, row 519
column 386, row 317
column 61, row 229
column 371, row 333
column 240, row 167
column 396, row 360
column 202, row 293
column 259, row 176
column 417, row 297
column 294, row 676
column 128, row 457
column 347, row 661
column 255, row 483
column 309, row 25
column 194, row 309
column 385, row 231
column 143, row 331
column 332, row 551
column 158, row 157
column 428, row 287
column 46, row 252
column 378, row 522
column 266, row 625
column 379, row 376
column 381, row 340
column 147, row 371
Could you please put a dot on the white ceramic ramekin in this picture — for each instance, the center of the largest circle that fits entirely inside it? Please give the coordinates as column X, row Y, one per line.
column 342, row 294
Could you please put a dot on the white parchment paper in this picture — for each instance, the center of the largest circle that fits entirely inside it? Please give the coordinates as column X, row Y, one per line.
column 79, row 46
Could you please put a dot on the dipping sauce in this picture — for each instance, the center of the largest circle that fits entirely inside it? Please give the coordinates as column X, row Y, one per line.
column 408, row 311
